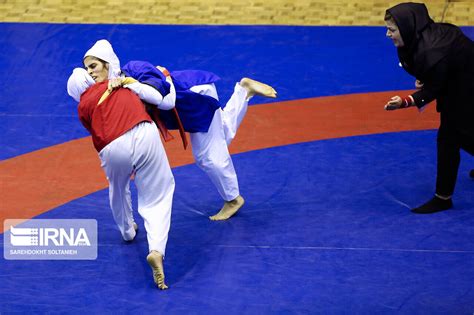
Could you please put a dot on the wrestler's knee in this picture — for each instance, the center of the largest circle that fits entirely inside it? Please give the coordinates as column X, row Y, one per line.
column 212, row 161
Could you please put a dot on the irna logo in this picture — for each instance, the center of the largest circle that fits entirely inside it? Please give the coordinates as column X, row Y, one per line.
column 49, row 237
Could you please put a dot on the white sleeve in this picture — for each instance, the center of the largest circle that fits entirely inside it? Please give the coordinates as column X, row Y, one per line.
column 146, row 92
column 169, row 101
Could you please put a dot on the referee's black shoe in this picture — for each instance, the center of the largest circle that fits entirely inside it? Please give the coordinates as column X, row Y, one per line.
column 434, row 205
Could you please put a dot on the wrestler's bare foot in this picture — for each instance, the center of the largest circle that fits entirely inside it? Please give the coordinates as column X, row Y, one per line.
column 257, row 88
column 229, row 209
column 155, row 260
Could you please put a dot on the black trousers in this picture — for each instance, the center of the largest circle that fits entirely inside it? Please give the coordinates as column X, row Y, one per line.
column 450, row 141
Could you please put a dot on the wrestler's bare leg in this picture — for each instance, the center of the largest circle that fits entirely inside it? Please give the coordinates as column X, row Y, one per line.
column 229, row 209
column 257, row 88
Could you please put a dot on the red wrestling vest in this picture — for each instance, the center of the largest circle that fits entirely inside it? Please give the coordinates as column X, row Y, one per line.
column 118, row 113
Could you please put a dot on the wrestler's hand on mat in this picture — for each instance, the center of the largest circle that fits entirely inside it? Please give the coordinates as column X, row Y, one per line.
column 114, row 83
column 394, row 103
column 418, row 84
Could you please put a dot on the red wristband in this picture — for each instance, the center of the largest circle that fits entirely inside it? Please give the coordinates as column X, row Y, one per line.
column 406, row 102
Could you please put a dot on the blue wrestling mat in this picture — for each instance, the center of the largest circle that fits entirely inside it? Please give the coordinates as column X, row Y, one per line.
column 326, row 228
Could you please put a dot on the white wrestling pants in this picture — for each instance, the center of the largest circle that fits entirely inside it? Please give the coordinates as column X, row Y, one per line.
column 140, row 151
column 210, row 149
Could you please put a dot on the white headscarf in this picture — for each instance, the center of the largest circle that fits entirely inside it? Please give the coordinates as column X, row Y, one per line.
column 102, row 49
column 78, row 83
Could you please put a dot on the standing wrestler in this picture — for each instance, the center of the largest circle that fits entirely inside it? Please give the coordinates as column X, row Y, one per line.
column 127, row 142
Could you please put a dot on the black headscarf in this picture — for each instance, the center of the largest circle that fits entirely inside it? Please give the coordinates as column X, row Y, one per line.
column 426, row 42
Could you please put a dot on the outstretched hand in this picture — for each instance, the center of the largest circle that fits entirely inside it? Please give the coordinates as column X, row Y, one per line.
column 394, row 103
column 418, row 84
